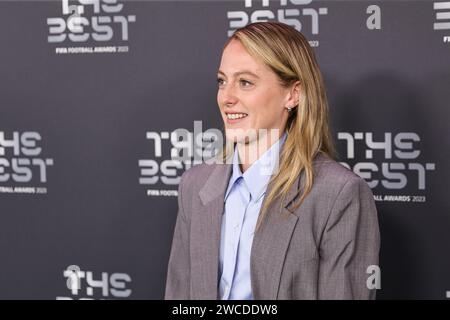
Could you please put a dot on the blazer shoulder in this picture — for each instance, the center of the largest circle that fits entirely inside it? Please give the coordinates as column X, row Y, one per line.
column 194, row 178
column 197, row 173
column 336, row 185
column 333, row 176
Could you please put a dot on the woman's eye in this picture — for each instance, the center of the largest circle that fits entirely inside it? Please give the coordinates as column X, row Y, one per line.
column 246, row 83
column 243, row 83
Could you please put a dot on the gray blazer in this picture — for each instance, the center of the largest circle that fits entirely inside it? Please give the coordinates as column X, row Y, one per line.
column 319, row 251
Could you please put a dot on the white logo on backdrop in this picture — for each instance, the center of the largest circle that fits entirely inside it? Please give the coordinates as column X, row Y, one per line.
column 22, row 163
column 442, row 16
column 90, row 21
column 296, row 13
column 83, row 285
column 400, row 168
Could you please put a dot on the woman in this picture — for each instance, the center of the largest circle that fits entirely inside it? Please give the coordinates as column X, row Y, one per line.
column 301, row 227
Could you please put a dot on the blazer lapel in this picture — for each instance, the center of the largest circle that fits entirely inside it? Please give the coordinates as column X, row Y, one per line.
column 270, row 245
column 206, row 264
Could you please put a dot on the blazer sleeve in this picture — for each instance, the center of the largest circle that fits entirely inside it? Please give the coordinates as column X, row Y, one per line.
column 178, row 271
column 350, row 244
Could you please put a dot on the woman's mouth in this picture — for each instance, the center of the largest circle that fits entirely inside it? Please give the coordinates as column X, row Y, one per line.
column 235, row 117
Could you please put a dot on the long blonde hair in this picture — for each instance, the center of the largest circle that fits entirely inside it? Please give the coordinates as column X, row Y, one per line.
column 287, row 52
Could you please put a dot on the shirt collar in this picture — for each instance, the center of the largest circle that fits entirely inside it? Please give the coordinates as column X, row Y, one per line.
column 257, row 176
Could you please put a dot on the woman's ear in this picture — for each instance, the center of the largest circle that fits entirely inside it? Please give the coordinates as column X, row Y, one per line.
column 294, row 94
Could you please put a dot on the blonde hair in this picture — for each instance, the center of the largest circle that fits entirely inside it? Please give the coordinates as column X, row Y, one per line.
column 287, row 52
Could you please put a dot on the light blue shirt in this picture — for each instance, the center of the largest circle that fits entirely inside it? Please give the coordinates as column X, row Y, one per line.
column 243, row 200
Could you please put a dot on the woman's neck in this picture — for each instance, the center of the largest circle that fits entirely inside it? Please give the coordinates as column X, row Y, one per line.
column 250, row 152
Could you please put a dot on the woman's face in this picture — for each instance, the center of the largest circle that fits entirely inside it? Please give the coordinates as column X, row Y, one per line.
column 250, row 96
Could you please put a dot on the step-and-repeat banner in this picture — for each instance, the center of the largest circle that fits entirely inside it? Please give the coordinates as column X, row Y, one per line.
column 97, row 96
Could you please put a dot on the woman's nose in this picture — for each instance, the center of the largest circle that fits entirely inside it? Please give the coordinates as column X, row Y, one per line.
column 229, row 95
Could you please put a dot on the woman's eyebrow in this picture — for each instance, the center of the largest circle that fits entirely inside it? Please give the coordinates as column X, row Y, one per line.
column 241, row 72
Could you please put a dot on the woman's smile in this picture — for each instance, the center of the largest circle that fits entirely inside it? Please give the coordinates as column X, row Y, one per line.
column 235, row 117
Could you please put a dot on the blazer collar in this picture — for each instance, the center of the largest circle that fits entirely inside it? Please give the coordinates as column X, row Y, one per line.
column 217, row 183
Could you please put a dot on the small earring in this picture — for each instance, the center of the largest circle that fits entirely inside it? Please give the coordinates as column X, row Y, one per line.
column 289, row 109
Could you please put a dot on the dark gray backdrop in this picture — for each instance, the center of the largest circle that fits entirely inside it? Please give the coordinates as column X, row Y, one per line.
column 92, row 112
